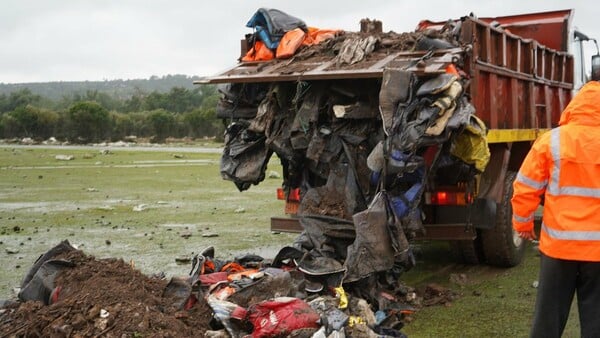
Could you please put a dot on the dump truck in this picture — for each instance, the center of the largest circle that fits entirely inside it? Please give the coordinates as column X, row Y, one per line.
column 438, row 119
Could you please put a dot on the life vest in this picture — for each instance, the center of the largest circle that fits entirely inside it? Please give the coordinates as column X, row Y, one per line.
column 564, row 165
column 258, row 52
column 290, row 43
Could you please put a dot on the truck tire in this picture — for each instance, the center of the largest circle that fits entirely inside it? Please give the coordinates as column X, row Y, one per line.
column 501, row 245
column 468, row 252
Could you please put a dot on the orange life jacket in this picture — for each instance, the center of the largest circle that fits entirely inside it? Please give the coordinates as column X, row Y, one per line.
column 564, row 165
column 316, row 35
column 258, row 52
column 290, row 42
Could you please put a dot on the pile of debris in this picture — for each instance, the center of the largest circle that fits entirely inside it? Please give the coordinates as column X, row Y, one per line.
column 67, row 293
column 361, row 152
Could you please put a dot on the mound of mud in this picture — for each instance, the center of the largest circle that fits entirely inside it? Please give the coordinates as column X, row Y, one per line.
column 107, row 298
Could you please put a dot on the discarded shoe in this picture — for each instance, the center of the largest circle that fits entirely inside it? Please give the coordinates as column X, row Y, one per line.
column 313, row 286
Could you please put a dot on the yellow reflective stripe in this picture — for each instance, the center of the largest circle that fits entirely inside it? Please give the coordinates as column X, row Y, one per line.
column 513, row 135
column 571, row 235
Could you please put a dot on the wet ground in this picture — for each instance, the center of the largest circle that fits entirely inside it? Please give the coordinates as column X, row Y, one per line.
column 147, row 207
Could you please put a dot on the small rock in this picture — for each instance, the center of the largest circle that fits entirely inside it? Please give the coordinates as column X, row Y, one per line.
column 535, row 284
column 64, row 157
column 11, row 251
column 178, row 156
column 91, row 190
column 239, row 210
column 186, row 235
column 108, row 242
column 273, row 174
column 209, row 234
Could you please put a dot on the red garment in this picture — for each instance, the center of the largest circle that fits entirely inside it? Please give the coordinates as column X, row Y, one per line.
column 280, row 316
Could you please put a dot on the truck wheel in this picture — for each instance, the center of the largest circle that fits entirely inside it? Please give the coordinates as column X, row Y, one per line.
column 467, row 252
column 502, row 246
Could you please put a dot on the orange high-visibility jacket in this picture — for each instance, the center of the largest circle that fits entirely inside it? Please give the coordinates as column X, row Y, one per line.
column 564, row 164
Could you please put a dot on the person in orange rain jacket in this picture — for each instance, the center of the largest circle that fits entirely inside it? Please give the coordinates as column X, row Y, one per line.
column 564, row 166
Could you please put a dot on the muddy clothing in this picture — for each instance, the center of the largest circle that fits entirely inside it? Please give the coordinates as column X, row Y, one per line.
column 564, row 166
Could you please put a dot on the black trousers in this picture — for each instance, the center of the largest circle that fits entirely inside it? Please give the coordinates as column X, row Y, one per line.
column 559, row 281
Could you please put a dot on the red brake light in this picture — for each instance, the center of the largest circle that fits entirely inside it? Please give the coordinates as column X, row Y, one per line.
column 293, row 196
column 441, row 197
column 447, row 198
column 280, row 194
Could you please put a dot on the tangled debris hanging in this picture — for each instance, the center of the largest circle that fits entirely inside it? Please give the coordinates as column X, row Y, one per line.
column 356, row 150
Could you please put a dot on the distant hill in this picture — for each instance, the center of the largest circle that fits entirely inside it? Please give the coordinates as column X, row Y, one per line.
column 122, row 89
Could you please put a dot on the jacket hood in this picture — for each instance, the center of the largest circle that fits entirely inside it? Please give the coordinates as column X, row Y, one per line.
column 584, row 108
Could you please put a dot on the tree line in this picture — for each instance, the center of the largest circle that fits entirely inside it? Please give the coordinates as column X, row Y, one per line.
column 98, row 116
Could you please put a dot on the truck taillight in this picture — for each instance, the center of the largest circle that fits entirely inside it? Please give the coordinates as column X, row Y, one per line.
column 293, row 196
column 447, row 198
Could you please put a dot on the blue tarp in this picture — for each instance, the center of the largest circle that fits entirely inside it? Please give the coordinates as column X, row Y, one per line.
column 271, row 24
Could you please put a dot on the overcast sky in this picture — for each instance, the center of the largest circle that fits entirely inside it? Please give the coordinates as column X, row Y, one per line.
column 74, row 40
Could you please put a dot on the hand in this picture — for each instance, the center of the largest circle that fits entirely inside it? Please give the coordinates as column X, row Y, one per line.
column 528, row 235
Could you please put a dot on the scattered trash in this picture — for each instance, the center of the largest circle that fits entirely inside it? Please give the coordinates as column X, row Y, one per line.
column 210, row 234
column 64, row 157
column 140, row 207
column 459, row 279
column 51, row 140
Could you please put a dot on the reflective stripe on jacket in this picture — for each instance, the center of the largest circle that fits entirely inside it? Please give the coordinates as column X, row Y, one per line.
column 564, row 164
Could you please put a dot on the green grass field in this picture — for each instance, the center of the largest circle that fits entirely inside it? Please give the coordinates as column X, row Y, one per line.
column 91, row 201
